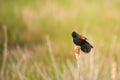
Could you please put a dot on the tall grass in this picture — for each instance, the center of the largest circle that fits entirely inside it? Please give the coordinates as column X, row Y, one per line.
column 29, row 64
column 5, row 52
column 53, row 57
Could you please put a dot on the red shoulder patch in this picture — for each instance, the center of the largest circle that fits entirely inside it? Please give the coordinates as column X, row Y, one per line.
column 81, row 37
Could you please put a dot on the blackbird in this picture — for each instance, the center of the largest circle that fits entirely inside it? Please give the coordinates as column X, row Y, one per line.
column 81, row 41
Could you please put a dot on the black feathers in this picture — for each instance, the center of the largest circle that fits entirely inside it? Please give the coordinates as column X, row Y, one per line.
column 81, row 41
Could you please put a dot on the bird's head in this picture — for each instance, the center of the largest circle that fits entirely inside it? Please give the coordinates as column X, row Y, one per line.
column 74, row 34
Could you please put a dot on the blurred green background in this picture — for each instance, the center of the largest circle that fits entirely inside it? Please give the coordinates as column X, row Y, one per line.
column 29, row 22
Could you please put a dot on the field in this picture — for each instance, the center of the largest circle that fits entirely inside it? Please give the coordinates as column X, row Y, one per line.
column 36, row 41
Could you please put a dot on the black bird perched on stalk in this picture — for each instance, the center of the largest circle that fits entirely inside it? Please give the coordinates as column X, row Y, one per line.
column 80, row 40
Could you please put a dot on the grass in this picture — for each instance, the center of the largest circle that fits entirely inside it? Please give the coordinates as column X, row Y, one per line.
column 32, row 64
column 53, row 58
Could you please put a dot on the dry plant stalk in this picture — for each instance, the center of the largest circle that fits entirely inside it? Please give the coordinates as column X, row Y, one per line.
column 52, row 57
column 113, row 71
column 77, row 55
column 4, row 53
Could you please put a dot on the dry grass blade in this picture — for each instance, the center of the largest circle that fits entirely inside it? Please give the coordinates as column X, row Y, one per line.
column 52, row 58
column 91, row 66
column 4, row 53
column 113, row 71
column 41, row 72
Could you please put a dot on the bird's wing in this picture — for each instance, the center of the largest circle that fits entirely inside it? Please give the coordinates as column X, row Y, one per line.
column 88, row 43
column 82, row 37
